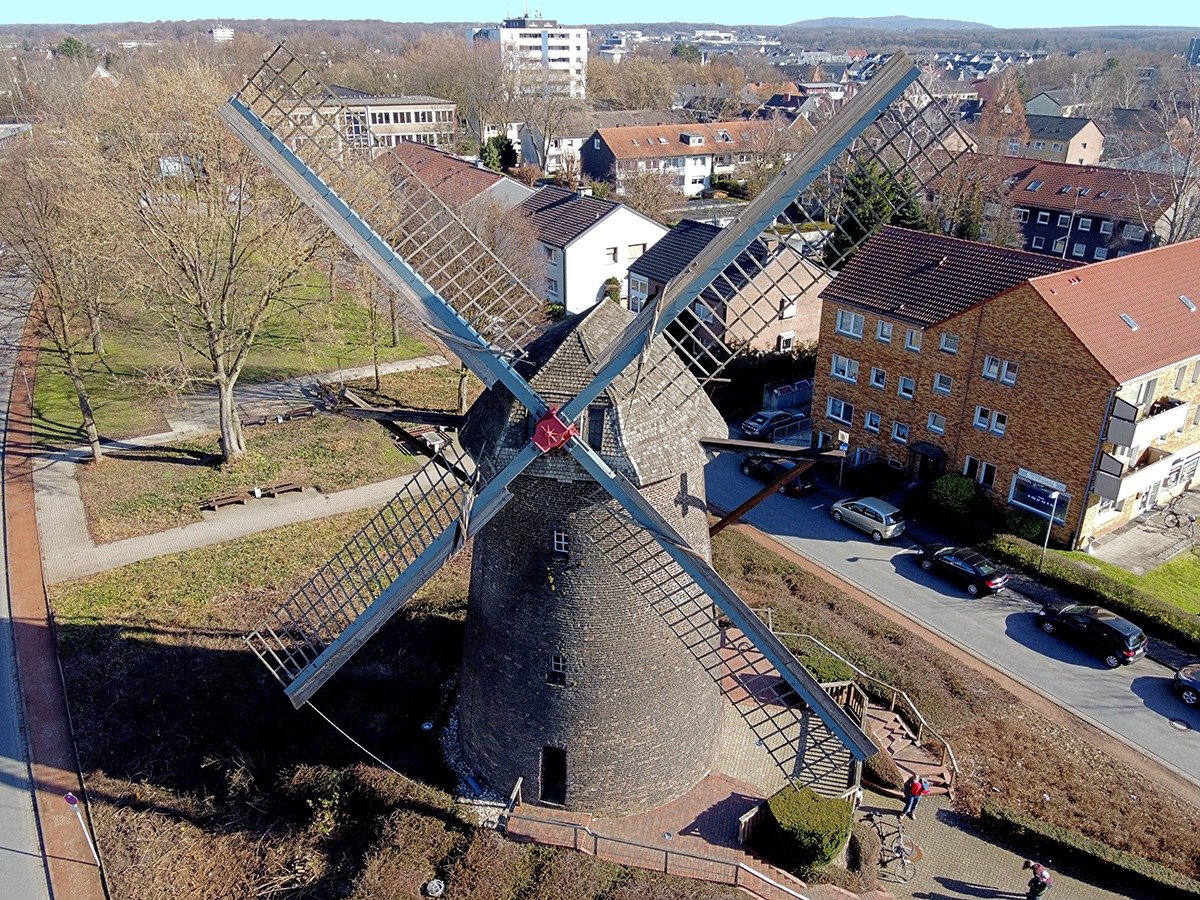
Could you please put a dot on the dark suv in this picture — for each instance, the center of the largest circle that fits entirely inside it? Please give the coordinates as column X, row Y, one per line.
column 1115, row 640
column 767, row 470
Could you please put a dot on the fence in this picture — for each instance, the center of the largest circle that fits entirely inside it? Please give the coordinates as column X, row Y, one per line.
column 644, row 856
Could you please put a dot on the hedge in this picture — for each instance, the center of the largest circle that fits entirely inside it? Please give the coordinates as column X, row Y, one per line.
column 863, row 855
column 802, row 830
column 881, row 770
column 1088, row 585
column 1116, row 868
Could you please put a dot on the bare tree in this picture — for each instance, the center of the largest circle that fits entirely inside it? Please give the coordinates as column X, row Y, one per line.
column 651, row 192
column 47, row 235
column 1003, row 117
column 215, row 242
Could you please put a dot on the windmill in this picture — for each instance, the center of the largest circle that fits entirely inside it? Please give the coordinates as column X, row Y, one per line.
column 593, row 661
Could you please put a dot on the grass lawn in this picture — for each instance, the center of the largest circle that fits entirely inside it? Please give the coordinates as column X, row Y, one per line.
column 205, row 783
column 140, row 492
column 325, row 336
column 434, row 389
column 1176, row 581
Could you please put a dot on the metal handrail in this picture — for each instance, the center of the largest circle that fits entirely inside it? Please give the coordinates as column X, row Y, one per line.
column 922, row 724
column 666, row 851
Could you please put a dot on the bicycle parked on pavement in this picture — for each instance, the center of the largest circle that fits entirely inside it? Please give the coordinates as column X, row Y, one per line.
column 898, row 852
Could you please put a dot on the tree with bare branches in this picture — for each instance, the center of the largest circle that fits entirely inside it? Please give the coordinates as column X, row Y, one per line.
column 47, row 235
column 1003, row 117
column 214, row 243
column 651, row 192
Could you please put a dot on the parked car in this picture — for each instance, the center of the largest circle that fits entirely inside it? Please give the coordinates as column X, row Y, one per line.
column 970, row 568
column 1117, row 641
column 1187, row 684
column 877, row 517
column 764, row 422
column 767, row 470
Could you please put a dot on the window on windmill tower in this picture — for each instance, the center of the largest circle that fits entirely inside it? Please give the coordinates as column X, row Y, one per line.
column 558, row 670
column 561, row 544
column 595, row 427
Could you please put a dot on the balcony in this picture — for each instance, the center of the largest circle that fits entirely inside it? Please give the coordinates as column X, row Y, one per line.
column 1117, row 481
column 1126, row 429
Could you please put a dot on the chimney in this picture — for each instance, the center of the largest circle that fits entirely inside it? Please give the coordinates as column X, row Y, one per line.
column 583, row 191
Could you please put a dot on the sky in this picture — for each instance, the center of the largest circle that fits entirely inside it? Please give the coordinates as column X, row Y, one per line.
column 1010, row 14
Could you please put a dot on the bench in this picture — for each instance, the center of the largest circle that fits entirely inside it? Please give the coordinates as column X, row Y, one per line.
column 276, row 489
column 300, row 412
column 215, row 503
column 257, row 420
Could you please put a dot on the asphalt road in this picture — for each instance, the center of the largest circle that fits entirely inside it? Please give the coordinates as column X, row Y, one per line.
column 22, row 873
column 1133, row 703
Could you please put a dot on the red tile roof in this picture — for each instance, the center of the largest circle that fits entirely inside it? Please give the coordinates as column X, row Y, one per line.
column 1144, row 286
column 660, row 141
column 923, row 278
column 453, row 180
column 1089, row 190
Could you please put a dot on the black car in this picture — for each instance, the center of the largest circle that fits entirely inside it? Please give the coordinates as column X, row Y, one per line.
column 767, row 470
column 1117, row 641
column 1187, row 684
column 764, row 423
column 977, row 573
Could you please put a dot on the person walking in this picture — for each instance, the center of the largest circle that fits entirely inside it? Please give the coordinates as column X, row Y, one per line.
column 1040, row 882
column 914, row 789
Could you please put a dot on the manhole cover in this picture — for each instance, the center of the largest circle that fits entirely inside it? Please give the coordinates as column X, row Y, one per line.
column 1180, row 725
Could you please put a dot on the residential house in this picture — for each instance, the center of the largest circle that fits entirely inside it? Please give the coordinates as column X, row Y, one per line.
column 1080, row 212
column 690, row 154
column 768, row 298
column 459, row 184
column 569, row 137
column 1064, row 390
column 586, row 241
column 1053, row 103
column 542, row 45
column 1059, row 139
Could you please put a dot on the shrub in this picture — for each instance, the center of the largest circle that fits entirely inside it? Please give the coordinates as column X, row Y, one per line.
column 956, row 493
column 612, row 289
column 1089, row 585
column 802, row 830
column 1024, row 526
column 863, row 856
column 825, row 668
column 556, row 311
column 1115, row 868
column 882, row 770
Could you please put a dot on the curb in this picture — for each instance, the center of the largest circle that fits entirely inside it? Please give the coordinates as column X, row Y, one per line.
column 54, row 762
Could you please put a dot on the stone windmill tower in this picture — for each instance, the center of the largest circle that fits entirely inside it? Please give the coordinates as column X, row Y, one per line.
column 570, row 680
column 593, row 665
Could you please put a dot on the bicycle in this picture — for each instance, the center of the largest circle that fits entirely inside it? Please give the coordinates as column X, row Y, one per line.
column 898, row 852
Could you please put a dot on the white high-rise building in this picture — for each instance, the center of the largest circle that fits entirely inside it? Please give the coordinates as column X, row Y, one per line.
column 544, row 44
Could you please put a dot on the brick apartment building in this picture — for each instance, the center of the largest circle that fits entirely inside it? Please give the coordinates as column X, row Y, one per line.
column 1086, row 213
column 1030, row 374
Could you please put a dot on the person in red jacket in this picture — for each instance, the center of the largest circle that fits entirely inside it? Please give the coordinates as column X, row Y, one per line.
column 914, row 789
column 1041, row 882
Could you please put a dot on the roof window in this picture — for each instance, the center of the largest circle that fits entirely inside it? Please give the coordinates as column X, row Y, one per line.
column 1065, row 189
column 1102, row 195
column 1083, row 192
column 1034, row 185
column 1186, row 301
column 1128, row 320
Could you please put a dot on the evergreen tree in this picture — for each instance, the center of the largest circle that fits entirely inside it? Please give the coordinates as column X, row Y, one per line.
column 506, row 153
column 489, row 155
column 872, row 199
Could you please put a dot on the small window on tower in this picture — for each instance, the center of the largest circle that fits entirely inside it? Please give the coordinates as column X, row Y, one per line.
column 595, row 427
column 558, row 670
column 562, row 543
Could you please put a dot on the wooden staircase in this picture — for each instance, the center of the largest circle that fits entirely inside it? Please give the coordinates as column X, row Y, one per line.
column 896, row 739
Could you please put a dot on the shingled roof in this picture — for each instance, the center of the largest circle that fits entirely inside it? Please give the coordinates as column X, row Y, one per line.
column 453, row 180
column 1147, row 287
column 649, row 435
column 1088, row 190
column 661, row 141
column 1054, row 127
column 923, row 278
column 680, row 246
column 561, row 215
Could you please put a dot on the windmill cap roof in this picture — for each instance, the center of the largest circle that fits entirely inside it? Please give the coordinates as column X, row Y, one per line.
column 651, row 433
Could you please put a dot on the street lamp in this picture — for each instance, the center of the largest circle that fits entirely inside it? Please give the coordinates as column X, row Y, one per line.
column 1054, row 495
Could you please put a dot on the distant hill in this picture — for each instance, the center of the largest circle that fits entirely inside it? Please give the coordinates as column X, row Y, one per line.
column 890, row 23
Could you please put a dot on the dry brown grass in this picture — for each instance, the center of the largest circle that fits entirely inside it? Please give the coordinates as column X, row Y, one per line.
column 1007, row 751
column 144, row 491
column 434, row 389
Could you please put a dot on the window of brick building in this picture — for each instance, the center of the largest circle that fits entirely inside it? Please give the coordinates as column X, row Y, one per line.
column 912, row 340
column 850, row 323
column 558, row 670
column 883, row 332
column 908, row 387
column 936, row 423
column 872, row 420
column 899, row 432
column 879, row 376
column 942, row 383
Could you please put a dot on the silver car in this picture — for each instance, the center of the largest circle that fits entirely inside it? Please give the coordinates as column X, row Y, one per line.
column 876, row 517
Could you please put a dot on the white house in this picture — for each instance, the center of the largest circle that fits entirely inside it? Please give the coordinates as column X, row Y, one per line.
column 587, row 241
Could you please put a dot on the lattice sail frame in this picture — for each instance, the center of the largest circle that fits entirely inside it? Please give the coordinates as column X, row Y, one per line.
column 340, row 171
column 910, row 146
column 334, row 140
